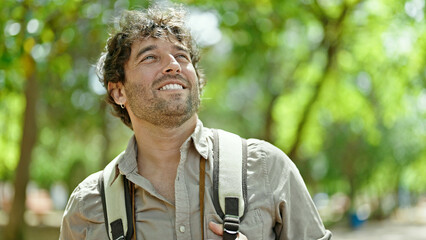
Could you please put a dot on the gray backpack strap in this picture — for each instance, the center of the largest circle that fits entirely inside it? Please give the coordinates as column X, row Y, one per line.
column 116, row 202
column 229, row 180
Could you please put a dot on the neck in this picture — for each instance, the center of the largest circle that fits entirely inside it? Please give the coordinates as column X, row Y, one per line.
column 159, row 147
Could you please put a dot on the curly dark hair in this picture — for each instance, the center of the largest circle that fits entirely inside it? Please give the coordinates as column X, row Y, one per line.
column 155, row 22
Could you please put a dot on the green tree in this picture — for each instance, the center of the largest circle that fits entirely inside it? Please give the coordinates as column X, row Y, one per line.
column 47, row 72
column 333, row 83
column 338, row 85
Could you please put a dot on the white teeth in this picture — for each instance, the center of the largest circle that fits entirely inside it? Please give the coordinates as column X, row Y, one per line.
column 171, row 87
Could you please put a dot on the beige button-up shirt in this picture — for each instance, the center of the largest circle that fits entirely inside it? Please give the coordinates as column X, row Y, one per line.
column 279, row 205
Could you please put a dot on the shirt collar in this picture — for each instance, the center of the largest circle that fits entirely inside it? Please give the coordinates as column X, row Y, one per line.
column 127, row 163
column 200, row 139
column 127, row 160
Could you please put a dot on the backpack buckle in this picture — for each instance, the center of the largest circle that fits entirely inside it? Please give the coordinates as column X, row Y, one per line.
column 231, row 224
column 231, row 221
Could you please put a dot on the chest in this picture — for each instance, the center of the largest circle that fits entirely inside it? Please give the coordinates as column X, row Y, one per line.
column 165, row 186
column 162, row 181
column 157, row 219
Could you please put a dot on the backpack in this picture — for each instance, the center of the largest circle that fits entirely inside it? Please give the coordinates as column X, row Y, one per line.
column 230, row 200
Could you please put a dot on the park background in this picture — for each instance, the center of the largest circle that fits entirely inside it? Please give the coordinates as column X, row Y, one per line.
column 339, row 85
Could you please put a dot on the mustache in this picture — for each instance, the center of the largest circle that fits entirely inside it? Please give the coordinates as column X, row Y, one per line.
column 164, row 78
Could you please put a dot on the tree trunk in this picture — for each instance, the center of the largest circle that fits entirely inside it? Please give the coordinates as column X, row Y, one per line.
column 269, row 121
column 331, row 43
column 15, row 227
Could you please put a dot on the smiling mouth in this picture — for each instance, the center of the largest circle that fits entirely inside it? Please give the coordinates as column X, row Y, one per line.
column 172, row 87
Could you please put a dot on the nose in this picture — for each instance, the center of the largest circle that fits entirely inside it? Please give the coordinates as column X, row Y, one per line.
column 172, row 66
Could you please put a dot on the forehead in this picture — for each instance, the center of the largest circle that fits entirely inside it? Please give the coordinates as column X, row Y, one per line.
column 162, row 43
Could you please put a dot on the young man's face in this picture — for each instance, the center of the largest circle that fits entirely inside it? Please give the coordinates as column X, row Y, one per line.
column 161, row 83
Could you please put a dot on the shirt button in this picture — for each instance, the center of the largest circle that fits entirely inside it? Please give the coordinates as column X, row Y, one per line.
column 182, row 229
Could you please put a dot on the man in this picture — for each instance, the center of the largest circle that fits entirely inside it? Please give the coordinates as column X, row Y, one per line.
column 150, row 71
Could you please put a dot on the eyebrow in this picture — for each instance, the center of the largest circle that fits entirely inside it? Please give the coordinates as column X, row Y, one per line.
column 153, row 47
column 181, row 48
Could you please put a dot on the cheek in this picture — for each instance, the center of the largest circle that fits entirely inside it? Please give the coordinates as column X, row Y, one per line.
column 140, row 74
column 190, row 72
column 135, row 90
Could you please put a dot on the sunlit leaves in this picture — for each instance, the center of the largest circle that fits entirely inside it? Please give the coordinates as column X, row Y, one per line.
column 264, row 61
column 11, row 105
column 363, row 108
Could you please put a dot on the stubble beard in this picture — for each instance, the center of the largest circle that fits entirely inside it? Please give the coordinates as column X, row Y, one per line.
column 167, row 113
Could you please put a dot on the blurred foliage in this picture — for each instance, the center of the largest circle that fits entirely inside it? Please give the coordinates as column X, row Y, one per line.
column 339, row 85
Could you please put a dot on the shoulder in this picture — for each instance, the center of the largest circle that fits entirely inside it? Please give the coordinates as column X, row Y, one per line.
column 83, row 216
column 273, row 165
column 260, row 152
column 85, row 201
column 263, row 155
column 271, row 155
column 88, row 187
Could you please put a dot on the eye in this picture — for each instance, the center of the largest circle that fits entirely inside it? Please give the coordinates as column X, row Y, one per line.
column 183, row 56
column 148, row 58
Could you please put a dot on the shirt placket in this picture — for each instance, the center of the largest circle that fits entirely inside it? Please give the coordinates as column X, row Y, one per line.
column 182, row 226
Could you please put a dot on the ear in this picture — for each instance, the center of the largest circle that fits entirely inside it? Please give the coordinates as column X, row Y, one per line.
column 117, row 92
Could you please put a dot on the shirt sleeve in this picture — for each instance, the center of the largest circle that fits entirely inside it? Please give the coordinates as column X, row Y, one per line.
column 73, row 224
column 295, row 213
column 83, row 216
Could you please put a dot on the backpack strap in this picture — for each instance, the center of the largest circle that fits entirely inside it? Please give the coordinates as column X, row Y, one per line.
column 229, row 180
column 118, row 210
column 229, row 189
